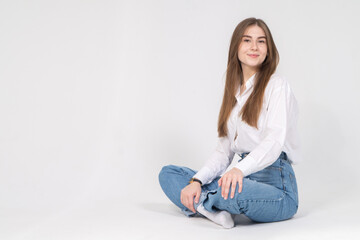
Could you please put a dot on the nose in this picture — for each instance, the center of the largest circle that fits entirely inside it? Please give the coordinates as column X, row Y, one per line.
column 254, row 45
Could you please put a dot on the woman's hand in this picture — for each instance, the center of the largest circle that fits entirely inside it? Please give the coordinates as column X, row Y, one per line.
column 188, row 193
column 232, row 177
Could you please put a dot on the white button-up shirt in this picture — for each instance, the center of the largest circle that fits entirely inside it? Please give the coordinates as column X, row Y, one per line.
column 277, row 132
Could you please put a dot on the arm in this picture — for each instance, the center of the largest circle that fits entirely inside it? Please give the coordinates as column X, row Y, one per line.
column 215, row 166
column 269, row 149
column 218, row 161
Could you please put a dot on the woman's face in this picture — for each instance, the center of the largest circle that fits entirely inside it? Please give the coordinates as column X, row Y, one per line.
column 253, row 48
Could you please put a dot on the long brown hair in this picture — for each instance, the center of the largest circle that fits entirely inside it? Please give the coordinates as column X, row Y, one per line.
column 234, row 77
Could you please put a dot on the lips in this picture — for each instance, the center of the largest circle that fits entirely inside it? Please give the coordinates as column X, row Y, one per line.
column 253, row 55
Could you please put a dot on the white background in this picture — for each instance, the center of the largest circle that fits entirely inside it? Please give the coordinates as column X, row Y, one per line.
column 96, row 96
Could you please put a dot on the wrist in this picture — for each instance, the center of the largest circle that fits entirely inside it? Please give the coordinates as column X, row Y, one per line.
column 195, row 180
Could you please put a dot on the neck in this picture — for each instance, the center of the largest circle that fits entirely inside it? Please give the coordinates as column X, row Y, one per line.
column 247, row 76
column 247, row 73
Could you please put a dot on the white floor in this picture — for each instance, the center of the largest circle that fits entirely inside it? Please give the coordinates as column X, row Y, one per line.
column 335, row 219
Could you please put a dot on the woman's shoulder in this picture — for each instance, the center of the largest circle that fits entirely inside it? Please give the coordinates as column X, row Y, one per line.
column 278, row 81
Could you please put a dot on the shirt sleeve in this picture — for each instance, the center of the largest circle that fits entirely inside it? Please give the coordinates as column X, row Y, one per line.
column 275, row 129
column 218, row 161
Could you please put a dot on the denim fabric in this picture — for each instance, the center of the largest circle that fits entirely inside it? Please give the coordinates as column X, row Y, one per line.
column 268, row 195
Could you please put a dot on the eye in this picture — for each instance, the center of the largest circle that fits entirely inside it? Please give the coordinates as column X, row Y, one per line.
column 261, row 41
column 246, row 40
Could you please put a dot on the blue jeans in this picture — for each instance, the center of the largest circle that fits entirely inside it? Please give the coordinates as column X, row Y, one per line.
column 268, row 195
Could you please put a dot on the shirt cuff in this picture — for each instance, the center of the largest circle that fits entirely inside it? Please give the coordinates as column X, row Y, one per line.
column 246, row 165
column 202, row 175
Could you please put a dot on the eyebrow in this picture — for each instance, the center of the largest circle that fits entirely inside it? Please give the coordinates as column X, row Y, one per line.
column 251, row 37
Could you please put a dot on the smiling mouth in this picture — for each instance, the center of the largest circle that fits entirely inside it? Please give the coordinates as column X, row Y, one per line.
column 253, row 55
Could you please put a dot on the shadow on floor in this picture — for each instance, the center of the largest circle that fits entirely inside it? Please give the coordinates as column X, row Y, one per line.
column 172, row 210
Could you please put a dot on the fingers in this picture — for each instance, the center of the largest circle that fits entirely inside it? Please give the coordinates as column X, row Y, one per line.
column 219, row 182
column 197, row 197
column 240, row 185
column 182, row 199
column 233, row 186
column 187, row 198
column 229, row 182
column 188, row 202
column 225, row 188
column 191, row 204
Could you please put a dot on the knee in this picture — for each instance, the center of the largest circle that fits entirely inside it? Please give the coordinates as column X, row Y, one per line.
column 280, row 211
column 166, row 171
column 294, row 209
